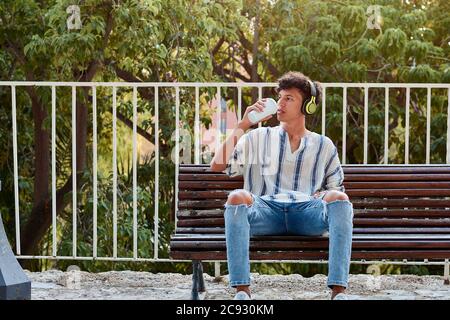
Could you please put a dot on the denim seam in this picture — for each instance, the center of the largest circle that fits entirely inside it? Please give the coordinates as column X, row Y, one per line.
column 337, row 283
column 239, row 283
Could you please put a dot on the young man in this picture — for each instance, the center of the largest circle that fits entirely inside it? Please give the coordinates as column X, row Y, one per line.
column 292, row 185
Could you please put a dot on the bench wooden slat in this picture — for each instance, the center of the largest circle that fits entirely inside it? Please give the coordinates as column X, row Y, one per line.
column 219, row 230
column 357, row 222
column 404, row 203
column 200, row 230
column 215, row 185
column 230, row 185
column 358, row 213
column 400, row 185
column 207, row 177
column 349, row 178
column 395, row 193
column 369, row 222
column 350, row 169
column 374, row 237
column 286, row 245
column 406, row 230
column 395, row 169
column 357, row 203
column 210, row 185
column 315, row 255
column 387, row 193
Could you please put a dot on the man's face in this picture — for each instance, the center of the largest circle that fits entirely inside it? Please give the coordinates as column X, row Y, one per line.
column 289, row 102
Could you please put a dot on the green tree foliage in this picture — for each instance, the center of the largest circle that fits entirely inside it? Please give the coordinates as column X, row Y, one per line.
column 345, row 41
column 138, row 41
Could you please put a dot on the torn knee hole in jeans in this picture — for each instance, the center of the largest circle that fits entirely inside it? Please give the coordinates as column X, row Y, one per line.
column 338, row 201
column 237, row 206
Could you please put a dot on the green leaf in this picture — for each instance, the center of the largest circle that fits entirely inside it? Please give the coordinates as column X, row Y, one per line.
column 392, row 43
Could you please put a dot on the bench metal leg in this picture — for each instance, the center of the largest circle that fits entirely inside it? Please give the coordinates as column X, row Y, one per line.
column 201, row 280
column 446, row 272
column 198, row 283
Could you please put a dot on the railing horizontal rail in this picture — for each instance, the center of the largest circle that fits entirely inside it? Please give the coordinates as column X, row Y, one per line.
column 218, row 84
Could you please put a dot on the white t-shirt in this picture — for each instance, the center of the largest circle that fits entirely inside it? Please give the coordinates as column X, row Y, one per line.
column 271, row 170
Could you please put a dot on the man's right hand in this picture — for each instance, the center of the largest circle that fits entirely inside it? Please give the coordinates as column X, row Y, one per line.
column 245, row 123
column 223, row 154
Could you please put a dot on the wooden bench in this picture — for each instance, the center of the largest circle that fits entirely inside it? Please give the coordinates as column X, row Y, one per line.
column 401, row 212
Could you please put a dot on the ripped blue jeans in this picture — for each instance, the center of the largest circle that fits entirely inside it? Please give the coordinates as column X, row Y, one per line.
column 269, row 217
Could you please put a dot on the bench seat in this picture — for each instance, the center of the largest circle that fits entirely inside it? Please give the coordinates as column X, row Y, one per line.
column 400, row 212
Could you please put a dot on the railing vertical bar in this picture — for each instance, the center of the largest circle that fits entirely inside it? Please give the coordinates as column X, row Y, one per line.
column 408, row 97
column 74, row 171
column 386, row 125
column 366, row 122
column 448, row 125
column 156, row 215
column 428, row 125
column 217, row 269
column 344, row 125
column 259, row 98
column 219, row 119
column 324, row 98
column 54, row 171
column 177, row 148
column 114, row 91
column 197, row 126
column 94, row 165
column 16, row 168
column 135, row 119
column 239, row 103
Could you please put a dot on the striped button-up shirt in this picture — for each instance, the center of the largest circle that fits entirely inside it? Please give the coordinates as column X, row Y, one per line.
column 271, row 170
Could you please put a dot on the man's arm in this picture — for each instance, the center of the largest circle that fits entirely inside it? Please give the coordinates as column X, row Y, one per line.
column 334, row 175
column 223, row 154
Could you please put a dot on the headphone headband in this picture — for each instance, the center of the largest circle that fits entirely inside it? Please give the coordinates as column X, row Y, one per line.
column 313, row 88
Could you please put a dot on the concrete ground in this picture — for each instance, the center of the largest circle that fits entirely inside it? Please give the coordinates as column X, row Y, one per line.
column 126, row 285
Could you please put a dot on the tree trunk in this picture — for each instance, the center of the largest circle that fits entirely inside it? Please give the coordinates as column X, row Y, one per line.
column 41, row 175
column 41, row 154
column 41, row 215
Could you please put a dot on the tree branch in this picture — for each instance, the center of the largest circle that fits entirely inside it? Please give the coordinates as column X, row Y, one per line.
column 217, row 46
column 94, row 64
column 129, row 77
column 248, row 46
column 129, row 124
column 225, row 71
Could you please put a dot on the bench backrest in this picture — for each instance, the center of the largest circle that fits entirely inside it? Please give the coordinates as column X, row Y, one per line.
column 390, row 202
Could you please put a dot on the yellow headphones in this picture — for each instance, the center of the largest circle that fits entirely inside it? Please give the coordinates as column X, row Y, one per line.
column 309, row 106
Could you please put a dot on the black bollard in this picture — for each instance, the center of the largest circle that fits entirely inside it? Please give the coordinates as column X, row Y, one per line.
column 14, row 283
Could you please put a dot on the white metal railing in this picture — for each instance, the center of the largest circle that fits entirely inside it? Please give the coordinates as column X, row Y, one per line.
column 115, row 85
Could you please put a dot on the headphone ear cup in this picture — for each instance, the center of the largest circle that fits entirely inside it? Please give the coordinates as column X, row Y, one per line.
column 309, row 107
column 303, row 107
